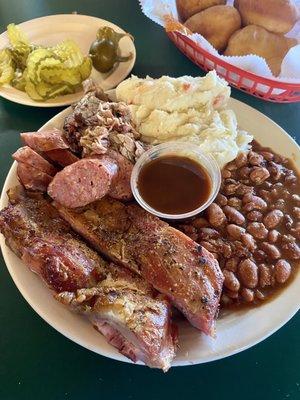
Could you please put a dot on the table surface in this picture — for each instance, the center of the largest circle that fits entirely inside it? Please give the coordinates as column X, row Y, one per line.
column 38, row 362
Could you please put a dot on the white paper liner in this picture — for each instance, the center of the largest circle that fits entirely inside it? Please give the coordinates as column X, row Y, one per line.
column 290, row 70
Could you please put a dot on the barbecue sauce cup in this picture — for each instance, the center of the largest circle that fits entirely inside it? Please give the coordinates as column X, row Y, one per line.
column 175, row 180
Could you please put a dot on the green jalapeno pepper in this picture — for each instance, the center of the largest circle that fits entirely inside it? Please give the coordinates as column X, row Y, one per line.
column 104, row 50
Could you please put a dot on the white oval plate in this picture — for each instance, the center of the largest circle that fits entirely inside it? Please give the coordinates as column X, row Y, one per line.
column 82, row 29
column 236, row 331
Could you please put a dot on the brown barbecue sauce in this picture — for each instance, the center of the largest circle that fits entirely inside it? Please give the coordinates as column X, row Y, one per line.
column 174, row 184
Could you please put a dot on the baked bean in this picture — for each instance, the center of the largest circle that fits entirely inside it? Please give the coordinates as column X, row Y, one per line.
column 226, row 173
column 265, row 275
column 276, row 171
column 240, row 250
column 244, row 172
column 225, row 300
column 216, row 216
column 292, row 250
column 296, row 199
column 221, row 200
column 282, row 271
column 231, row 166
column 255, row 216
column 230, row 281
column 247, row 295
column 276, row 193
column 273, row 236
column 296, row 231
column 290, row 178
column 207, row 233
column 259, row 175
column 256, row 203
column 267, row 155
column 296, row 212
column 278, row 185
column 266, row 195
column 235, row 202
column 278, row 204
column 248, row 241
column 225, row 250
column 241, row 160
column 234, row 215
column 258, row 230
column 271, row 250
column 200, row 222
column 231, row 188
column 235, row 231
column 260, row 256
column 288, row 221
column 255, row 158
column 243, row 189
column 232, row 264
column 259, row 295
column 273, row 218
column 248, row 273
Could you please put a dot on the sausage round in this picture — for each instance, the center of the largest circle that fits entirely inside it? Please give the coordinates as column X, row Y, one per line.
column 32, row 178
column 83, row 182
column 28, row 156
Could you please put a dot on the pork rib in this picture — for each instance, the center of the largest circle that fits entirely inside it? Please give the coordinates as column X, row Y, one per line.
column 170, row 261
column 35, row 232
column 122, row 306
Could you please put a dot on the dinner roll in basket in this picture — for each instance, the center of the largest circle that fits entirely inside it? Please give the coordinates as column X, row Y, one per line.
column 256, row 40
column 216, row 24
column 278, row 16
column 187, row 8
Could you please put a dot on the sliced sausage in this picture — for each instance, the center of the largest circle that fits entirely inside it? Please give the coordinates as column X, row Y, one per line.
column 28, row 156
column 48, row 139
column 32, row 178
column 83, row 182
column 62, row 157
column 120, row 187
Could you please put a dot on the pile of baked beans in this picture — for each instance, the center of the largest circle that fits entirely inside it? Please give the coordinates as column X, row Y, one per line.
column 253, row 227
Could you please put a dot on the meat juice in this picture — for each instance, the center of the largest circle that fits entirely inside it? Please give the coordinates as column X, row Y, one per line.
column 174, row 184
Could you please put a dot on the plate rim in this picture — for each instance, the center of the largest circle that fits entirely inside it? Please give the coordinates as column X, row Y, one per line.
column 116, row 356
column 27, row 101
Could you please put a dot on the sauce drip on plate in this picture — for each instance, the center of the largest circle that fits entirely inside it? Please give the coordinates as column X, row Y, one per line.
column 174, row 184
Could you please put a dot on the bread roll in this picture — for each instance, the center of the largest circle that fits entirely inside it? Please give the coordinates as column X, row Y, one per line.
column 187, row 8
column 216, row 24
column 256, row 40
column 278, row 16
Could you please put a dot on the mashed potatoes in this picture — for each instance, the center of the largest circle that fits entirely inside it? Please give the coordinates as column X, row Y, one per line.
column 185, row 109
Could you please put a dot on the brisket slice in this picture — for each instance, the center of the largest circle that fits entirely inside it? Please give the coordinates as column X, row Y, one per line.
column 170, row 261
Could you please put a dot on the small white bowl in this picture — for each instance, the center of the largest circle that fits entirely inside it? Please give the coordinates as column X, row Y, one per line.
column 184, row 149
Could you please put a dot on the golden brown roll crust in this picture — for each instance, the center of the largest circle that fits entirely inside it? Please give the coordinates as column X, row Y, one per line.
column 187, row 8
column 278, row 16
column 256, row 40
column 216, row 24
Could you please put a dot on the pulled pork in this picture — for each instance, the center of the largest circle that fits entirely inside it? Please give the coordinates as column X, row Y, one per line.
column 97, row 124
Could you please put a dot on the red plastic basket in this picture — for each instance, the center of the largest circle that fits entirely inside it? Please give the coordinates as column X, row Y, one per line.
column 264, row 88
